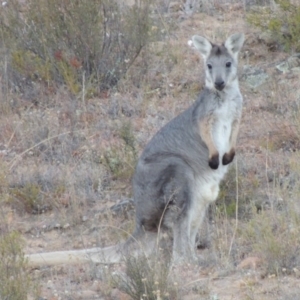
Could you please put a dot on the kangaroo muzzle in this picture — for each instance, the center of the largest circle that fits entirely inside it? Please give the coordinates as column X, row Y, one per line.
column 219, row 85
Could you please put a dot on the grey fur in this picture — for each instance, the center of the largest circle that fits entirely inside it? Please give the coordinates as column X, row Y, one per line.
column 179, row 172
column 174, row 166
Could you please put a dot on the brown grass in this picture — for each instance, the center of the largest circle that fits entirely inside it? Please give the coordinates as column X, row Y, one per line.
column 66, row 160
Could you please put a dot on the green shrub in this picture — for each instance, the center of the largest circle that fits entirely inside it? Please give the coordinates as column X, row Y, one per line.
column 283, row 23
column 72, row 41
column 146, row 278
column 27, row 196
column 121, row 159
column 15, row 283
column 274, row 238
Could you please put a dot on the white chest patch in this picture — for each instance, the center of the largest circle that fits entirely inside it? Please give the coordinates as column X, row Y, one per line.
column 222, row 127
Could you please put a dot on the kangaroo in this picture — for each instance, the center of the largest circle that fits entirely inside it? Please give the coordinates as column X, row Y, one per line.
column 178, row 173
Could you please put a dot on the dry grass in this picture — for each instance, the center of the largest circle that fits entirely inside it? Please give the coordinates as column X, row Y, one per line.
column 66, row 160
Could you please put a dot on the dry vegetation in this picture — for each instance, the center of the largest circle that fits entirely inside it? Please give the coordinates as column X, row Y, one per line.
column 79, row 101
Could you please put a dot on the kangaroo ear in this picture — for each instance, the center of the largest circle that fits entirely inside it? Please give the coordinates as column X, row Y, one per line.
column 202, row 45
column 234, row 43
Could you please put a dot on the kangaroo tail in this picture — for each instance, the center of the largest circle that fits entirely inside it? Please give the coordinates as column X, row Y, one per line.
column 107, row 255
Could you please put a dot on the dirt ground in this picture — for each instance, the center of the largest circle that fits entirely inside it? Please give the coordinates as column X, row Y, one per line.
column 81, row 218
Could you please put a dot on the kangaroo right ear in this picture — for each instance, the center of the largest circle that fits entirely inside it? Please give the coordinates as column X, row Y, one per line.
column 234, row 43
column 202, row 45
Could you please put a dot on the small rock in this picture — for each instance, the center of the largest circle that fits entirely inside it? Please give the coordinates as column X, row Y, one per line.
column 254, row 76
column 87, row 294
column 50, row 284
column 96, row 286
column 118, row 295
column 250, row 263
column 283, row 67
column 295, row 71
column 66, row 226
column 292, row 63
column 192, row 297
column 297, row 272
column 123, row 208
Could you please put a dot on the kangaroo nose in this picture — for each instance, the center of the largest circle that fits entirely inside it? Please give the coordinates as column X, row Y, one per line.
column 219, row 85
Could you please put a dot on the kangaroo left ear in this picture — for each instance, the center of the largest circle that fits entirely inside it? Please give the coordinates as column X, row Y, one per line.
column 202, row 45
column 234, row 43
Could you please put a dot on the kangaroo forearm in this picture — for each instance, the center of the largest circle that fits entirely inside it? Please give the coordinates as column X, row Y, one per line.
column 205, row 126
column 229, row 156
column 206, row 130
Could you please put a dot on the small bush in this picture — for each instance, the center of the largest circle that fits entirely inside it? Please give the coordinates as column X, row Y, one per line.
column 121, row 159
column 283, row 23
column 30, row 198
column 275, row 238
column 15, row 282
column 146, row 278
column 70, row 41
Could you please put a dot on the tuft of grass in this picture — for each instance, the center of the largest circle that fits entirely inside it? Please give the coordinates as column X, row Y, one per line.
column 275, row 238
column 273, row 232
column 226, row 202
column 16, row 283
column 121, row 159
column 146, row 278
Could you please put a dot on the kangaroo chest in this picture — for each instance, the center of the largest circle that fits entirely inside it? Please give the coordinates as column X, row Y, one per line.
column 222, row 127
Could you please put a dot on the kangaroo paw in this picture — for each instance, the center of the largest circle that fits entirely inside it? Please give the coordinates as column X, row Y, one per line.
column 214, row 161
column 228, row 157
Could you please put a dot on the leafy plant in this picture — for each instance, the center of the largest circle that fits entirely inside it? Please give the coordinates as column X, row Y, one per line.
column 15, row 281
column 70, row 41
column 283, row 23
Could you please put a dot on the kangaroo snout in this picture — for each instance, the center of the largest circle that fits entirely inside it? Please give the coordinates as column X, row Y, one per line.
column 219, row 84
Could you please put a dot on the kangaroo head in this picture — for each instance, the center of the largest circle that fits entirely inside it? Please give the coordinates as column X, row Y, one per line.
column 220, row 61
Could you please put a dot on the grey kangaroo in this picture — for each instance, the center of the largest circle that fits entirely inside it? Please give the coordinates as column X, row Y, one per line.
column 179, row 172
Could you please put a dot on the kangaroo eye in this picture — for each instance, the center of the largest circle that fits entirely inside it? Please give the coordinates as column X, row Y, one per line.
column 209, row 66
column 228, row 64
